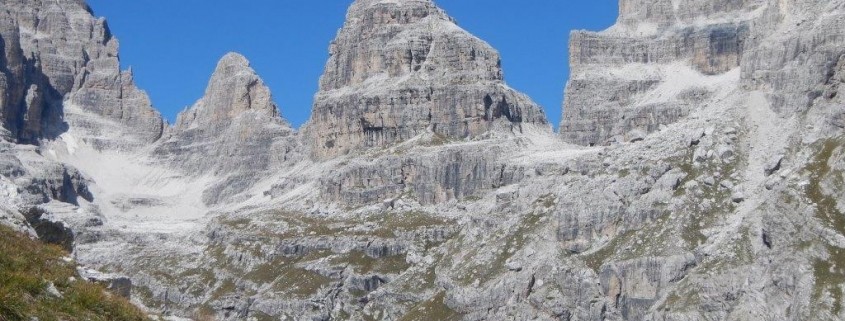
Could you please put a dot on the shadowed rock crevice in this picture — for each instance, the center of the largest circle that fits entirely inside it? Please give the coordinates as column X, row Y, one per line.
column 31, row 107
column 50, row 232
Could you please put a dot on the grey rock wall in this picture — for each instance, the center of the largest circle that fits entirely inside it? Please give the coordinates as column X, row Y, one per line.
column 794, row 66
column 710, row 37
column 722, row 200
column 431, row 178
column 61, row 66
column 234, row 131
column 400, row 69
column 713, row 37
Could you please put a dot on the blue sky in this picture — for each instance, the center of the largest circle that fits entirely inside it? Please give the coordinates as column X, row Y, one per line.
column 173, row 46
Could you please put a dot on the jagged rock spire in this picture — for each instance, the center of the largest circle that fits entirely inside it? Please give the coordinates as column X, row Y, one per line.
column 60, row 72
column 398, row 69
column 234, row 129
column 234, row 88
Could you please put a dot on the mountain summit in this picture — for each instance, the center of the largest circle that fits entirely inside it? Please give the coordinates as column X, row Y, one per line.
column 234, row 89
column 233, row 130
column 398, row 69
column 698, row 174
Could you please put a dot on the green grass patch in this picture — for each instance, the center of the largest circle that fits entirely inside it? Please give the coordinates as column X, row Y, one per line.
column 364, row 264
column 830, row 276
column 697, row 218
column 596, row 259
column 819, row 171
column 288, row 278
column 299, row 225
column 829, row 273
column 437, row 140
column 474, row 269
column 433, row 309
column 28, row 266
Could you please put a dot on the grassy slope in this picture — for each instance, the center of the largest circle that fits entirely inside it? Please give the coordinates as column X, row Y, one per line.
column 27, row 267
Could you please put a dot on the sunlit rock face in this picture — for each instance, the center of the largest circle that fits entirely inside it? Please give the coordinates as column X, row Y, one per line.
column 634, row 61
column 234, row 89
column 61, row 71
column 434, row 192
column 234, row 132
column 398, row 69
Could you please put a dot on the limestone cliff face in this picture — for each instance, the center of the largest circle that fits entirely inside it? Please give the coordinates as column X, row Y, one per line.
column 615, row 71
column 234, row 89
column 234, row 129
column 794, row 54
column 61, row 67
column 726, row 204
column 784, row 48
column 398, row 69
column 664, row 14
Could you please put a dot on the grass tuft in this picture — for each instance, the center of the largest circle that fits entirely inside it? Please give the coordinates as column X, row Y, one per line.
column 28, row 267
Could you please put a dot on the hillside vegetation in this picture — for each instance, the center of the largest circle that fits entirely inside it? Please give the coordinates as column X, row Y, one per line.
column 28, row 271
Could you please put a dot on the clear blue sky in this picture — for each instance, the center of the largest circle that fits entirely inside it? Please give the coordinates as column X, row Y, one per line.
column 173, row 45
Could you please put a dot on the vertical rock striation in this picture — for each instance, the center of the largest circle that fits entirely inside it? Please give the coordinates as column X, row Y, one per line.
column 622, row 78
column 233, row 89
column 398, row 69
column 794, row 52
column 60, row 69
column 233, row 131
column 732, row 213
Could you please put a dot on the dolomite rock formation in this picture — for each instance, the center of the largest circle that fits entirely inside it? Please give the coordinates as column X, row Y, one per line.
column 234, row 89
column 61, row 70
column 430, row 178
column 234, row 131
column 654, row 45
column 794, row 66
column 398, row 69
column 721, row 200
column 235, row 126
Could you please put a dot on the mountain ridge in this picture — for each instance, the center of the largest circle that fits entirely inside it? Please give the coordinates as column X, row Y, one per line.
column 697, row 173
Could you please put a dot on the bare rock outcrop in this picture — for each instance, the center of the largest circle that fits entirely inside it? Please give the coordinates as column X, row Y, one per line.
column 234, row 89
column 643, row 64
column 437, row 192
column 793, row 66
column 61, row 70
column 635, row 76
column 233, row 131
column 398, row 69
column 428, row 178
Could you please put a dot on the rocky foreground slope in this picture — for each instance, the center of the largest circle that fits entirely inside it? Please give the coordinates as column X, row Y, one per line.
column 697, row 175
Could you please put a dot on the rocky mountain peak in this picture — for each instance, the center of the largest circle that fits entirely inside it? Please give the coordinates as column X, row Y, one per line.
column 385, row 12
column 233, row 131
column 393, row 11
column 720, row 196
column 61, row 73
column 234, row 89
column 399, row 69
column 232, row 60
